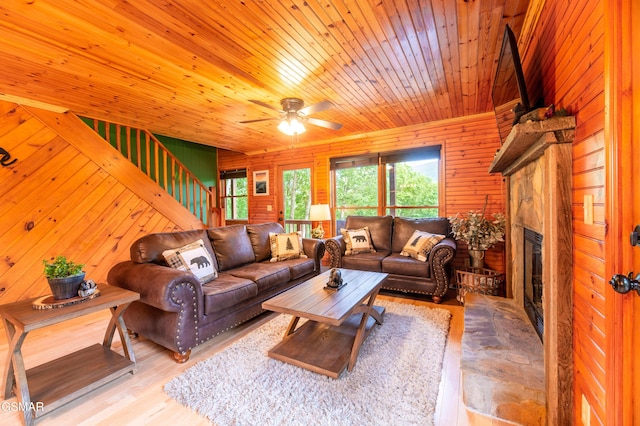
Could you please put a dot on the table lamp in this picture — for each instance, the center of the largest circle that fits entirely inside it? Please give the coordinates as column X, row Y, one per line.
column 319, row 213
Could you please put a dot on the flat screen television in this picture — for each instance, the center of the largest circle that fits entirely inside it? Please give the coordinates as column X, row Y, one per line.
column 509, row 94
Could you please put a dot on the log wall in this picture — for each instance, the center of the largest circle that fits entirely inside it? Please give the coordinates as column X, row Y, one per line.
column 469, row 145
column 69, row 193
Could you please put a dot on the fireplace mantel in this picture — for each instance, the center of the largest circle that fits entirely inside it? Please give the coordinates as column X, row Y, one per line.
column 528, row 141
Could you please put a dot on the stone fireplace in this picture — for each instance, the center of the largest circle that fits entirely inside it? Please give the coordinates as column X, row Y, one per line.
column 536, row 162
column 539, row 191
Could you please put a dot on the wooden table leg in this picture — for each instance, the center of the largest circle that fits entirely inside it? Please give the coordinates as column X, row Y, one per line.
column 367, row 310
column 15, row 373
column 292, row 326
column 117, row 323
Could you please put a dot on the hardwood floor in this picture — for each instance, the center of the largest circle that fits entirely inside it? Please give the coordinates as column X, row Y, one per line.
column 139, row 399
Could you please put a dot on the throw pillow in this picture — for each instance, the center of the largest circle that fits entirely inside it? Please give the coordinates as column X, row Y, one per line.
column 194, row 258
column 420, row 244
column 357, row 241
column 286, row 246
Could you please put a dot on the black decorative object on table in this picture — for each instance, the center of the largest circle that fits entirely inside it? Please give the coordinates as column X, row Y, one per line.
column 335, row 280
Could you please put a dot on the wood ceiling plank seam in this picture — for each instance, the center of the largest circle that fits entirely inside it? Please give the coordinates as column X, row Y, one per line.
column 376, row 53
column 306, row 32
column 350, row 70
column 368, row 67
column 448, row 43
column 403, row 53
column 420, row 85
column 353, row 67
column 420, row 67
column 468, row 17
column 370, row 28
column 285, row 45
column 138, row 17
column 422, row 17
column 70, row 52
column 322, row 33
column 489, row 53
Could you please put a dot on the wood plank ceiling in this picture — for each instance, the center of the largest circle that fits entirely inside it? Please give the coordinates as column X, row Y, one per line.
column 187, row 68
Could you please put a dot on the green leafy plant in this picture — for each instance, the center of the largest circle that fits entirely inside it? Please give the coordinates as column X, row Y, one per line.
column 477, row 230
column 61, row 267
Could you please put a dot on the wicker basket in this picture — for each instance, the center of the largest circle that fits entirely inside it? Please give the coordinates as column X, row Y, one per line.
column 479, row 280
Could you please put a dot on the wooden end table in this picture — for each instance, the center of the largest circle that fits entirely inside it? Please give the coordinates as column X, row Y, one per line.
column 339, row 321
column 46, row 387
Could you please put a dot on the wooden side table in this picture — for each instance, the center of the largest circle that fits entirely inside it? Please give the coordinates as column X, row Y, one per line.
column 46, row 387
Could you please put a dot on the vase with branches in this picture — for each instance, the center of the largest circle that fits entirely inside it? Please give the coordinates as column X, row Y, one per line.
column 478, row 231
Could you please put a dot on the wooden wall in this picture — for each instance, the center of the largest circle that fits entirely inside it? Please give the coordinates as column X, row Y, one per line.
column 70, row 194
column 564, row 63
column 469, row 145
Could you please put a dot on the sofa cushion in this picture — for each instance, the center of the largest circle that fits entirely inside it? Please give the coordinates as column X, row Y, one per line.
column 194, row 258
column 264, row 274
column 408, row 266
column 232, row 246
column 286, row 246
column 403, row 229
column 227, row 291
column 420, row 244
column 149, row 248
column 365, row 261
column 259, row 236
column 379, row 227
column 357, row 241
column 299, row 267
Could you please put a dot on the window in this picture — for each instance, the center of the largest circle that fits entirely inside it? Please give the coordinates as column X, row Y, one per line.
column 403, row 183
column 234, row 197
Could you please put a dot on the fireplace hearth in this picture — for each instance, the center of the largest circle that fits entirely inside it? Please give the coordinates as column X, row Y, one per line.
column 533, row 284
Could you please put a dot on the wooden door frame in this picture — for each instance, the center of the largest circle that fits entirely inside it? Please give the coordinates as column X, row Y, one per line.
column 278, row 184
column 620, row 95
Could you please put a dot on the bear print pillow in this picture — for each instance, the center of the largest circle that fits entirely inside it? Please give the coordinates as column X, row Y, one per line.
column 194, row 258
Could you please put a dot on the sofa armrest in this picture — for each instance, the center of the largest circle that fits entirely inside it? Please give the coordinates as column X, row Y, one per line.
column 159, row 286
column 336, row 248
column 314, row 249
column 439, row 257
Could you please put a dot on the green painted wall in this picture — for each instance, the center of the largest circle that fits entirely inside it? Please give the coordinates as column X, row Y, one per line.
column 201, row 160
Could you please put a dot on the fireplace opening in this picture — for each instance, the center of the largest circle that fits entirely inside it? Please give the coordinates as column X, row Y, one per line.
column 533, row 280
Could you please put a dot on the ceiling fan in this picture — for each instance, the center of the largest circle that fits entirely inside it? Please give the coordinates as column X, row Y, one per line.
column 294, row 114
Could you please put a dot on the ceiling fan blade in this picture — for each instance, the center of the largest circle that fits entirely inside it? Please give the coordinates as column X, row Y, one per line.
column 259, row 119
column 264, row 104
column 324, row 123
column 312, row 109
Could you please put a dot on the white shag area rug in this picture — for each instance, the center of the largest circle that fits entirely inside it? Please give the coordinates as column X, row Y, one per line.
column 395, row 380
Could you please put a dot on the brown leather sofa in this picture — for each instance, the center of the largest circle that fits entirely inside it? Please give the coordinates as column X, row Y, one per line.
column 388, row 236
column 178, row 312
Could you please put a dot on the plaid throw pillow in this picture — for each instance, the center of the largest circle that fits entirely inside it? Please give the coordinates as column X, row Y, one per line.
column 194, row 258
column 286, row 246
column 420, row 244
column 357, row 241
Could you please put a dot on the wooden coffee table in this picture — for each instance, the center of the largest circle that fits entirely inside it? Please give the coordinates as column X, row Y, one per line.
column 338, row 321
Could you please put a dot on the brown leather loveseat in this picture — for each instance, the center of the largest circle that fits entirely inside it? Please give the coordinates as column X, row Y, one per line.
column 410, row 269
column 183, row 306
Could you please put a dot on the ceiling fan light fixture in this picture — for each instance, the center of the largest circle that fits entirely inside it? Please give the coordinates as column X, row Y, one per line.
column 291, row 126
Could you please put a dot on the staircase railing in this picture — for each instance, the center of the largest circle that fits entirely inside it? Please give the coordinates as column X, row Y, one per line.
column 151, row 157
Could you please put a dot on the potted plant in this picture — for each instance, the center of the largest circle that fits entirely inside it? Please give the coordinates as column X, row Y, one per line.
column 64, row 277
column 479, row 232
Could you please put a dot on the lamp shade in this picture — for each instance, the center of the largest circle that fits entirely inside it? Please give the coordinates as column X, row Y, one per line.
column 320, row 212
